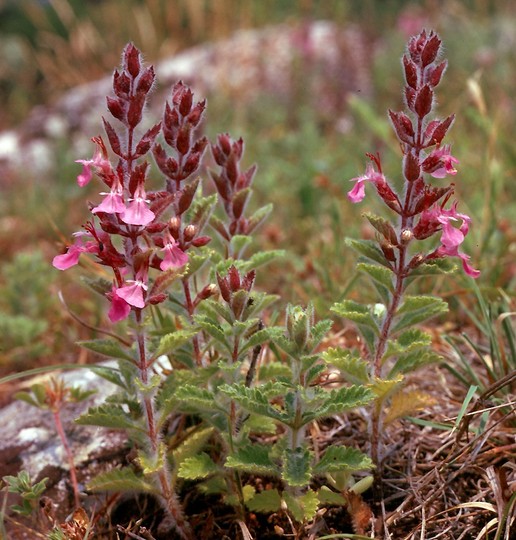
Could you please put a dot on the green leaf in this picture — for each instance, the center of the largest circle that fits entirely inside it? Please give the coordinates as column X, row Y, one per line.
column 416, row 309
column 212, row 329
column 337, row 401
column 259, row 216
column 172, row 341
column 266, row 501
column 368, row 249
column 122, row 480
column 198, row 398
column 257, row 399
column 192, row 445
column 327, row 496
column 380, row 276
column 197, row 467
column 435, row 267
column 261, row 258
column 107, row 347
column 240, row 242
column 352, row 367
column 319, row 331
column 99, row 285
column 338, row 458
column 109, row 374
column 256, row 423
column 302, row 507
column 357, row 313
column 297, row 469
column 383, row 226
column 407, row 363
column 108, row 415
column 30, row 399
column 253, row 458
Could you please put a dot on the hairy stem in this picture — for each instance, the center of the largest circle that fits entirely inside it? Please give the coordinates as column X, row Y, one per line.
column 69, row 456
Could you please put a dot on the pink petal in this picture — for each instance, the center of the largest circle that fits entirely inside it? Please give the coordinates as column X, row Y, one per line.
column 86, row 173
column 68, row 259
column 175, row 257
column 137, row 213
column 132, row 294
column 358, row 192
column 113, row 203
column 467, row 267
column 119, row 309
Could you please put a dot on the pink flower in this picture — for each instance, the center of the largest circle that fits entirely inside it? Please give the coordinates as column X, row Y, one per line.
column 440, row 162
column 113, row 202
column 452, row 237
column 175, row 257
column 133, row 294
column 71, row 257
column 119, row 309
column 98, row 161
column 358, row 191
column 137, row 213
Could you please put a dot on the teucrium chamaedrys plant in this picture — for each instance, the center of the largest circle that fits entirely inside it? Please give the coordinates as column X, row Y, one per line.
column 393, row 346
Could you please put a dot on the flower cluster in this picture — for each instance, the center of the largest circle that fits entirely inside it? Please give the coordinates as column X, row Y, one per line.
column 149, row 226
column 423, row 209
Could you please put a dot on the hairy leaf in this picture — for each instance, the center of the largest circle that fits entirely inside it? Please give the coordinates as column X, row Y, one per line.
column 368, row 249
column 352, row 367
column 416, row 309
column 197, row 467
column 266, row 501
column 122, row 480
column 407, row 363
column 302, row 507
column 192, row 445
column 297, row 469
column 406, row 403
column 338, row 458
column 357, row 313
column 108, row 415
column 172, row 341
column 107, row 347
column 253, row 458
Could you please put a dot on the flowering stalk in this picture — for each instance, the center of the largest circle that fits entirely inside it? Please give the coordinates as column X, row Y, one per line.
column 423, row 209
column 151, row 243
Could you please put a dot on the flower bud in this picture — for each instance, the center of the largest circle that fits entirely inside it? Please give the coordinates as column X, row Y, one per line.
column 173, row 226
column 411, row 167
column 406, row 236
column 189, row 232
column 132, row 60
column 146, row 81
column 424, row 101
column 201, row 241
column 224, row 287
column 410, row 72
column 234, row 278
column 430, row 50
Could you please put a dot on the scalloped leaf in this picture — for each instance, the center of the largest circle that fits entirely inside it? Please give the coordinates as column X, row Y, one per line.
column 339, row 458
column 383, row 226
column 172, row 341
column 267, row 501
column 192, row 445
column 416, row 309
column 197, row 467
column 384, row 388
column 297, row 468
column 108, row 415
column 337, row 401
column 410, row 340
column 368, row 249
column 352, row 367
column 257, row 399
column 261, row 258
column 327, row 496
column 259, row 217
column 212, row 329
column 253, row 458
column 358, row 313
column 407, row 363
column 435, row 267
column 196, row 397
column 381, row 277
column 107, row 347
column 407, row 403
column 303, row 507
column 122, row 480
column 256, row 423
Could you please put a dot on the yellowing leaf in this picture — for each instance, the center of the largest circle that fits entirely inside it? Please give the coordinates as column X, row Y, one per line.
column 405, row 403
column 384, row 388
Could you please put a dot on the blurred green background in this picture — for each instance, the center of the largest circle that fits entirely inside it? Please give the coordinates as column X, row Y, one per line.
column 305, row 158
